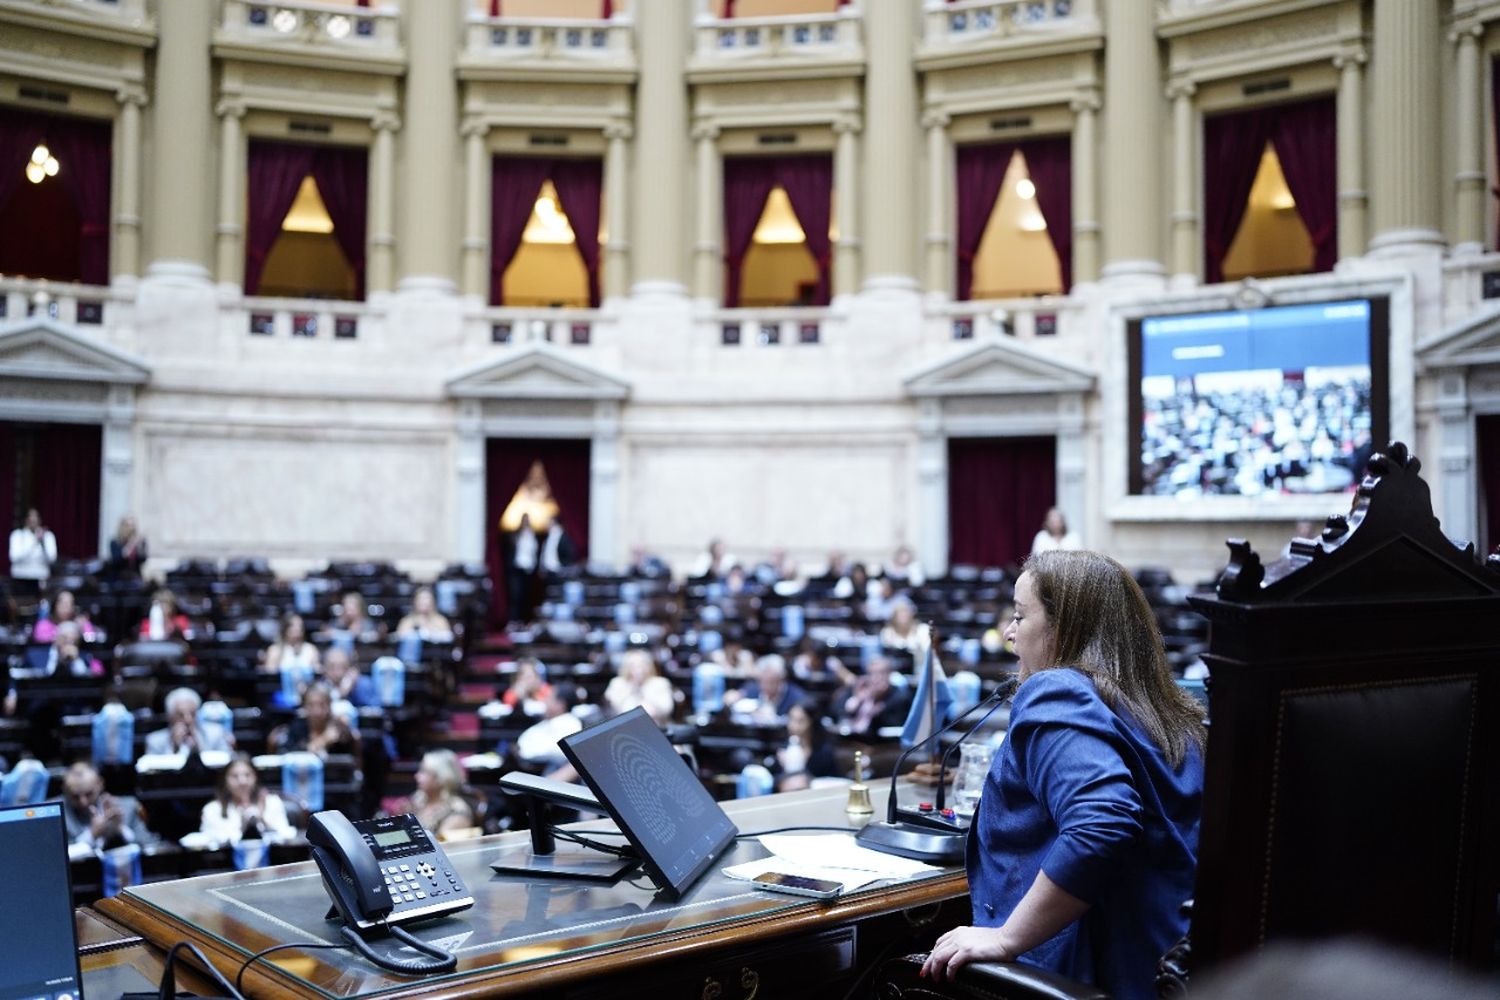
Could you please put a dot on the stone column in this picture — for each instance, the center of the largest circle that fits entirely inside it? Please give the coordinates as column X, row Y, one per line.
column 117, row 461
column 891, row 139
column 1132, row 115
column 939, row 206
column 1455, row 441
column 126, row 258
column 380, row 271
column 604, row 482
column 617, row 210
column 1085, row 109
column 846, row 205
column 708, row 258
column 1469, row 181
column 229, row 234
column 1187, row 249
column 181, row 191
column 1406, row 188
column 663, row 30
column 429, row 151
column 1353, row 199
column 471, row 531
column 476, row 211
column 932, row 486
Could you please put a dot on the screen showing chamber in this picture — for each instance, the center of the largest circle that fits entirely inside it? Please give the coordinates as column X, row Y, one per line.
column 1255, row 402
column 37, row 938
column 658, row 802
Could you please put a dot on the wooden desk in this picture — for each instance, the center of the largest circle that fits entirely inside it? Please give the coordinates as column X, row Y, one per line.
column 566, row 939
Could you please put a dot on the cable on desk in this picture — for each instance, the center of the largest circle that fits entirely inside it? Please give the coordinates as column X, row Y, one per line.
column 573, row 838
column 305, row 945
column 795, row 829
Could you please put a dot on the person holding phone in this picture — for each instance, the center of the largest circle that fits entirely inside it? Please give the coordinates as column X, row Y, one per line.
column 1085, row 840
column 33, row 550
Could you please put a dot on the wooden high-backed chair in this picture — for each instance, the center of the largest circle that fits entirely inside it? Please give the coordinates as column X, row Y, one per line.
column 1352, row 784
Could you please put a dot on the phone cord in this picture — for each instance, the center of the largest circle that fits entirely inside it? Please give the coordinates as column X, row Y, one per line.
column 440, row 960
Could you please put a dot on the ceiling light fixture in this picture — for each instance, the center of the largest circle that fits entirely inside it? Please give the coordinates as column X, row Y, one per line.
column 1025, row 188
column 41, row 165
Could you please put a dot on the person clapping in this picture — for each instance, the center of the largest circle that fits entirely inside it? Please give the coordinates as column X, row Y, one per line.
column 242, row 810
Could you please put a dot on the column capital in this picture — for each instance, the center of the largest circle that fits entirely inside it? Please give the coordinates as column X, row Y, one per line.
column 130, row 93
column 474, row 127
column 847, row 125
column 230, row 107
column 1468, row 32
column 385, row 121
column 619, row 130
column 1180, row 87
column 936, row 118
column 1356, row 56
column 1086, row 100
column 705, row 131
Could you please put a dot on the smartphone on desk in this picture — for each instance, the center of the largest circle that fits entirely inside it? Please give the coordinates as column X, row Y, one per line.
column 797, row 885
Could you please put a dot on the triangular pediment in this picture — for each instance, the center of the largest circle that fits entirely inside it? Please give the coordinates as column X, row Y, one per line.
column 537, row 371
column 998, row 368
column 1474, row 342
column 45, row 348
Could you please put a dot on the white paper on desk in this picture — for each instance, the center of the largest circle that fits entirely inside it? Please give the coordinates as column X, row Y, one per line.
column 849, row 879
column 839, row 850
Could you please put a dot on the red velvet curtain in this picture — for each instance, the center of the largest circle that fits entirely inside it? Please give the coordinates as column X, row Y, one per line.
column 999, row 490
column 1306, row 141
column 83, row 148
column 580, row 185
column 1050, row 163
column 515, row 182
column 65, row 485
column 1495, row 112
column 980, row 173
column 808, row 181
column 342, row 176
column 748, row 181
column 1487, row 443
column 40, row 233
column 507, row 461
column 1232, row 147
column 273, row 175
column 9, row 520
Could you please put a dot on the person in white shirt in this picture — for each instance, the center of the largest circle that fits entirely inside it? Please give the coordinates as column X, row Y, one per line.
column 243, row 810
column 1055, row 534
column 33, row 550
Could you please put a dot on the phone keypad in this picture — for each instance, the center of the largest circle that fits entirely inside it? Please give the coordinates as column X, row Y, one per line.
column 408, row 886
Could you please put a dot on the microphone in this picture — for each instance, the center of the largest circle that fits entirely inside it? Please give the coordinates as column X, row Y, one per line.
column 913, row 835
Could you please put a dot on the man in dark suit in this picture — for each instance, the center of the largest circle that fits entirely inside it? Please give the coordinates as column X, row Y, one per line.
column 97, row 819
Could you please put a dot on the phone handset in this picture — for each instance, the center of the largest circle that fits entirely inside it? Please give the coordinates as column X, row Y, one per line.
column 349, row 868
column 351, row 873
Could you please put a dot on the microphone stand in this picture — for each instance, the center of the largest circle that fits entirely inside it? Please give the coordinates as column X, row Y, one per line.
column 910, row 834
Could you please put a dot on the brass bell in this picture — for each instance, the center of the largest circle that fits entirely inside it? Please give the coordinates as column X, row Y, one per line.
column 859, row 792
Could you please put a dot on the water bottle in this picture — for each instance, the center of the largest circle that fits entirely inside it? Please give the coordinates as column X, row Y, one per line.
column 157, row 627
column 794, row 758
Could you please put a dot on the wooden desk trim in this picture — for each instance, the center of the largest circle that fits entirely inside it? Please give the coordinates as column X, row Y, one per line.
column 164, row 931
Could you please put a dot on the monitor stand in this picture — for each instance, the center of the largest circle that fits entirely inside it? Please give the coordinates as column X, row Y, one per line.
column 570, row 863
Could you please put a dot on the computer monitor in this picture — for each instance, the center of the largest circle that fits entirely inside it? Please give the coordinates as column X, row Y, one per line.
column 38, row 943
column 654, row 797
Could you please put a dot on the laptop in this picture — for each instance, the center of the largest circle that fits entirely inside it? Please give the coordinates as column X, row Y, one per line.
column 38, row 940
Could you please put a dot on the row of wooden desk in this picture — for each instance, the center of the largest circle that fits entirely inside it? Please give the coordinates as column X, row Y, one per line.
column 723, row 939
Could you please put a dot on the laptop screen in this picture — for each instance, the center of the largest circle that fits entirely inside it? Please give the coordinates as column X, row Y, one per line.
column 38, row 943
column 653, row 796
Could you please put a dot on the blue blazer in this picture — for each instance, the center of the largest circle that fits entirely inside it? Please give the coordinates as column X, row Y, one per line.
column 1082, row 793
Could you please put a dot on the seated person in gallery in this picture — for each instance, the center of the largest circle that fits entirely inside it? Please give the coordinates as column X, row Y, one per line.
column 68, row 658
column 537, row 746
column 353, row 623
column 808, row 754
column 291, row 648
column 342, row 675
column 316, row 729
column 242, row 809
column 65, row 609
column 98, row 820
column 184, row 734
column 528, row 689
column 639, row 684
column 770, row 696
column 715, row 561
column 164, row 621
column 872, row 702
column 438, row 802
column 902, row 631
column 425, row 621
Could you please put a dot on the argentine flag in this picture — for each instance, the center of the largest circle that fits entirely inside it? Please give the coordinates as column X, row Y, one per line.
column 929, row 707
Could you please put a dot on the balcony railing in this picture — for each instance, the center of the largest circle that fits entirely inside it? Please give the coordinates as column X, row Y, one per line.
column 311, row 23
column 1470, row 282
column 131, row 12
column 967, row 20
column 81, row 305
column 518, row 325
column 1044, row 318
column 298, row 319
column 564, row 39
column 782, row 36
column 772, row 327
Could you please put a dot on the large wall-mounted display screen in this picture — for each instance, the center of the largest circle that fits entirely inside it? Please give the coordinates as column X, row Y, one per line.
column 1281, row 400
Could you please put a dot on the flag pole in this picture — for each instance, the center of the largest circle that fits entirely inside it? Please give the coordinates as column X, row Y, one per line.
column 932, row 698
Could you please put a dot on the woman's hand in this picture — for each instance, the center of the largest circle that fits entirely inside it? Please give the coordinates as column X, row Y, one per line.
column 963, row 945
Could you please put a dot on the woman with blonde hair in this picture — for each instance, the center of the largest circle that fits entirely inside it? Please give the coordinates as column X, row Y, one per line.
column 1085, row 841
column 438, row 801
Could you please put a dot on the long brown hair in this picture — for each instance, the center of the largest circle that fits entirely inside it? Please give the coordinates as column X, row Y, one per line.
column 1102, row 626
column 222, row 794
